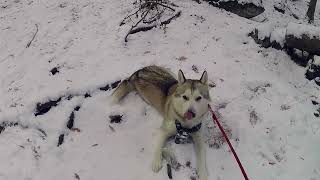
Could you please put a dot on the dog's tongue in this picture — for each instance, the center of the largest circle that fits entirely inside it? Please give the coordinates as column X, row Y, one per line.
column 188, row 115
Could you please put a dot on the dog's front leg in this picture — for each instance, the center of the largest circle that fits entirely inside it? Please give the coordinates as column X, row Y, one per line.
column 200, row 150
column 157, row 160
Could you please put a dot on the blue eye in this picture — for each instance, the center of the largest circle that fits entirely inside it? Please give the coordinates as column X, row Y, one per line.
column 185, row 98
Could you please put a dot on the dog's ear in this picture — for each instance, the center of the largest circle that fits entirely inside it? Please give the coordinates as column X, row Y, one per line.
column 204, row 77
column 181, row 78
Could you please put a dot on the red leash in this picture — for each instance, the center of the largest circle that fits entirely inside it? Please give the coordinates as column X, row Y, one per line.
column 230, row 145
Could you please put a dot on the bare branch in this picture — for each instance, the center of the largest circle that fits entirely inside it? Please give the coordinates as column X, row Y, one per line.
column 149, row 15
column 165, row 6
column 155, row 17
column 126, row 38
column 146, row 28
column 124, row 19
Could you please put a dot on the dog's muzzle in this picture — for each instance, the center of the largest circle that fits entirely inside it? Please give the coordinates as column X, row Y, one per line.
column 189, row 114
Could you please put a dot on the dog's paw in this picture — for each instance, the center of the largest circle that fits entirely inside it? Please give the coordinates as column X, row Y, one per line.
column 203, row 176
column 156, row 164
column 202, row 173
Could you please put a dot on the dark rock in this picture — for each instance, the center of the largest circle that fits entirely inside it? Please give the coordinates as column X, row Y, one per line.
column 61, row 139
column 77, row 108
column 247, row 10
column 43, row 108
column 87, row 95
column 115, row 118
column 316, row 114
column 54, row 70
column 314, row 102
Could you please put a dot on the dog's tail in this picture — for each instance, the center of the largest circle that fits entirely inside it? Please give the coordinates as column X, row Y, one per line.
column 124, row 88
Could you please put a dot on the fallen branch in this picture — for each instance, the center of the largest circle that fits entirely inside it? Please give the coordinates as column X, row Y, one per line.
column 303, row 37
column 124, row 19
column 155, row 17
column 144, row 16
column 171, row 18
column 134, row 30
column 163, row 5
column 28, row 45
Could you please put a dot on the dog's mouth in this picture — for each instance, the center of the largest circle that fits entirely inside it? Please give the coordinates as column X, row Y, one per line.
column 189, row 115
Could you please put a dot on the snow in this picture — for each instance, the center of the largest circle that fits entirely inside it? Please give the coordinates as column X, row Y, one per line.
column 83, row 38
column 278, row 35
column 265, row 30
column 316, row 61
column 298, row 30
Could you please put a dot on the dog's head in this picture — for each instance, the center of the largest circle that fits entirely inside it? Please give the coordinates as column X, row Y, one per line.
column 191, row 97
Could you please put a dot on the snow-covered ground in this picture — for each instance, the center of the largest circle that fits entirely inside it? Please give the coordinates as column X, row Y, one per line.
column 260, row 94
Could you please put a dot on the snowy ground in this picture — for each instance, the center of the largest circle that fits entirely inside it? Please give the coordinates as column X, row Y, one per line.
column 265, row 99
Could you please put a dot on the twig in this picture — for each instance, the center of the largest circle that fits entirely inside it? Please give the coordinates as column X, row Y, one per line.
column 153, row 3
column 165, row 6
column 155, row 17
column 126, row 38
column 173, row 4
column 28, row 45
column 122, row 22
column 170, row 19
column 134, row 30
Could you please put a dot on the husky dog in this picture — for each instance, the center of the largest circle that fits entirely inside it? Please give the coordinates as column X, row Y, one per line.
column 182, row 103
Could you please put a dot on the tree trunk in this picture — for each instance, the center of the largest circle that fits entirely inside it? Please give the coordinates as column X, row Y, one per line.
column 303, row 37
column 311, row 10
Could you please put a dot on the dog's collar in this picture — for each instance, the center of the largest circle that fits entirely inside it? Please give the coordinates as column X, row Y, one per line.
column 188, row 130
column 184, row 134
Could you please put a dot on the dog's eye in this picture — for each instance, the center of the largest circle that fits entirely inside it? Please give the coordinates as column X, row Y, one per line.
column 185, row 98
column 198, row 98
